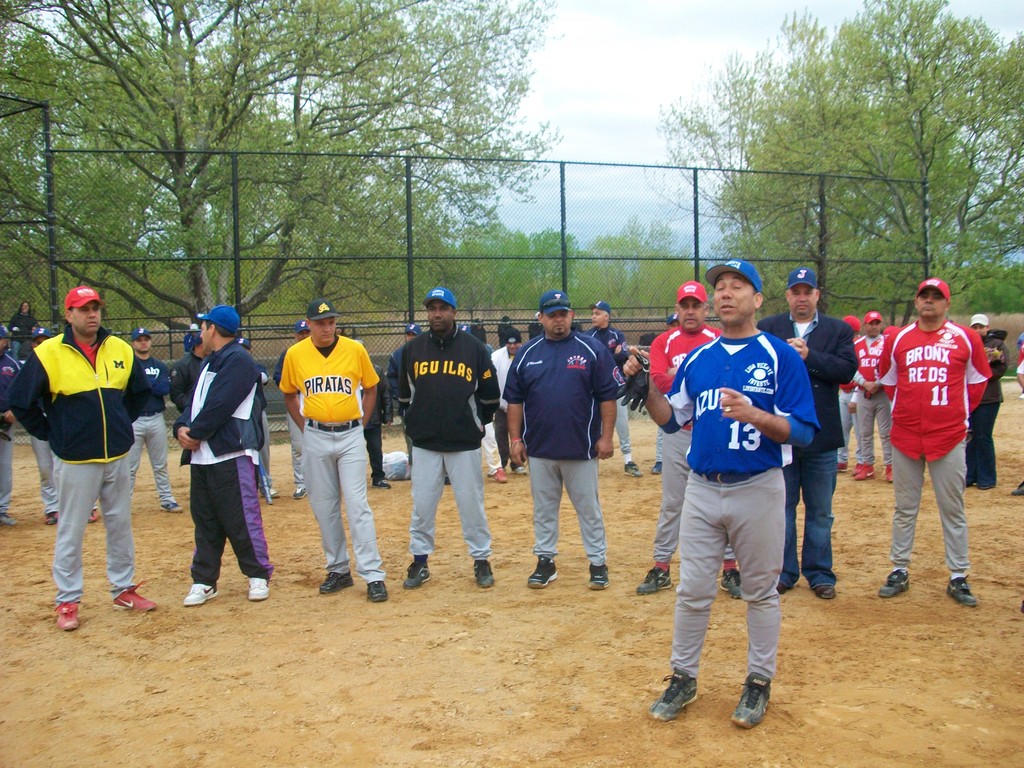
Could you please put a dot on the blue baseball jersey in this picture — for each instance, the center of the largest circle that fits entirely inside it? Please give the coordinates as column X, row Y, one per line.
column 769, row 373
column 160, row 382
column 561, row 385
column 611, row 338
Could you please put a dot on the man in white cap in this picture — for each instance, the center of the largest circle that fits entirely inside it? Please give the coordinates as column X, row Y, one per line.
column 981, row 448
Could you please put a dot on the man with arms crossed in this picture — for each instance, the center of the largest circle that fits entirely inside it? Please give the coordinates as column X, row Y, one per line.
column 94, row 389
column 936, row 372
column 338, row 386
column 749, row 396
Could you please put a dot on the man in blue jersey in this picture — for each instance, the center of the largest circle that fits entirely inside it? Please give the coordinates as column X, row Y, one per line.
column 561, row 412
column 748, row 396
column 615, row 341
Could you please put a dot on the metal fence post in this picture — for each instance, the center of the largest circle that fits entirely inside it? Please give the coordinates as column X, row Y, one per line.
column 51, row 216
column 409, row 250
column 696, row 225
column 236, row 246
column 565, row 247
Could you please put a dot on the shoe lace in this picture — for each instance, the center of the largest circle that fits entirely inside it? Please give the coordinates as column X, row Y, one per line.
column 677, row 683
column 752, row 694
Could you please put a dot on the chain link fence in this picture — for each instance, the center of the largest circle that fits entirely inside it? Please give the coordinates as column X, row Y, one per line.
column 163, row 235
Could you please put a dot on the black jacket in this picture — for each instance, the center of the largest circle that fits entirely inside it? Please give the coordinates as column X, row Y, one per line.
column 449, row 389
column 382, row 411
column 830, row 362
column 184, row 373
column 994, row 389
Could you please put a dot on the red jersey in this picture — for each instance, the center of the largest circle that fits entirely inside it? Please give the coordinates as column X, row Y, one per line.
column 935, row 379
column 669, row 349
column 868, row 353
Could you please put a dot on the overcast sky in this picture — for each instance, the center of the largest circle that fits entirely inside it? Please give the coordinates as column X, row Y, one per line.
column 609, row 65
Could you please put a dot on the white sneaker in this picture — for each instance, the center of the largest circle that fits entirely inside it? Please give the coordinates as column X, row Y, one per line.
column 199, row 594
column 1021, row 397
column 258, row 590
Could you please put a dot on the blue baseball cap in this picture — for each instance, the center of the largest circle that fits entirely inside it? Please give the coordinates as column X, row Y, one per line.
column 222, row 316
column 744, row 269
column 802, row 276
column 242, row 341
column 141, row 332
column 46, row 333
column 4, row 333
column 673, row 318
column 301, row 326
column 553, row 301
column 604, row 306
column 412, row 329
column 441, row 293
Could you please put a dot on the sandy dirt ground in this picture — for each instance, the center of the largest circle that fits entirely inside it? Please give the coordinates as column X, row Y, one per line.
column 451, row 675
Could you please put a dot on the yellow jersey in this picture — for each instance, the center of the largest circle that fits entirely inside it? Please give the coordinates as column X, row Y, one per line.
column 332, row 386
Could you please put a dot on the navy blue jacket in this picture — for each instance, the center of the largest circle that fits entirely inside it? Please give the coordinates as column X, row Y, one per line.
column 830, row 362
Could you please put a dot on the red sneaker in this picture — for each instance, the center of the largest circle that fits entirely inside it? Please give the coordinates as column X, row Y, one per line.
column 865, row 472
column 130, row 600
column 93, row 517
column 499, row 475
column 842, row 466
column 67, row 616
column 888, row 473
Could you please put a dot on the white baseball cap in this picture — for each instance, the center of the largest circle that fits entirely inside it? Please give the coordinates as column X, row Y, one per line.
column 980, row 319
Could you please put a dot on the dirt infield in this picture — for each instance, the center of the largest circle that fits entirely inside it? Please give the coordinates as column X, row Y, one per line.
column 451, row 675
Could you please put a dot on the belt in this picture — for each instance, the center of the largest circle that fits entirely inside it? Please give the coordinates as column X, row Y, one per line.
column 150, row 413
column 728, row 478
column 344, row 426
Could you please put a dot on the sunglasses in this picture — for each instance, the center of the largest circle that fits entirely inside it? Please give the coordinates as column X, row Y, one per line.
column 561, row 303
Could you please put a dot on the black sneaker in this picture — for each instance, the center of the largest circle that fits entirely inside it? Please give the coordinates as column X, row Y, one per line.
column 381, row 484
column 960, row 591
column 376, row 592
column 897, row 582
column 418, row 574
column 1018, row 491
column 544, row 574
column 753, row 701
column 731, row 583
column 599, row 576
column 335, row 582
column 483, row 574
column 682, row 689
column 633, row 470
column 656, row 579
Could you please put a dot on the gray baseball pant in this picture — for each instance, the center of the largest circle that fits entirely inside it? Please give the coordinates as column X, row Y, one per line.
column 463, row 470
column 47, row 489
column 295, row 438
column 622, row 429
column 78, row 487
column 849, row 421
column 948, row 475
column 869, row 410
column 6, row 473
column 752, row 516
column 151, row 434
column 334, row 464
column 547, row 477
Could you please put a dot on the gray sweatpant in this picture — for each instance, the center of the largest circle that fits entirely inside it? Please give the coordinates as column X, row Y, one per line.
column 547, row 477
column 151, row 434
column 752, row 516
column 334, row 464
column 674, row 475
column 622, row 429
column 45, row 460
column 78, row 487
column 428, row 472
column 948, row 475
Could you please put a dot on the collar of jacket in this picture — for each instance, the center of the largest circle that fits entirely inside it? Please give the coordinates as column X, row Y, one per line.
column 443, row 341
column 69, row 336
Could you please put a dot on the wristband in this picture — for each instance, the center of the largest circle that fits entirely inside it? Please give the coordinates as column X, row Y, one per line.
column 517, row 440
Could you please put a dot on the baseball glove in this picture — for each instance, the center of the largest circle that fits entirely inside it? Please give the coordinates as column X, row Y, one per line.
column 634, row 392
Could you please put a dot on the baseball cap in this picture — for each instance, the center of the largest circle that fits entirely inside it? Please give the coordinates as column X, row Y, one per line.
column 321, row 309
column 141, row 332
column 744, row 269
column 412, row 329
column 853, row 322
column 242, row 341
column 4, row 333
column 442, row 293
column 44, row 332
column 873, row 316
column 80, row 296
column 934, row 282
column 553, row 301
column 604, row 306
column 692, row 290
column 802, row 276
column 301, row 326
column 512, row 336
column 223, row 316
column 980, row 319
column 673, row 318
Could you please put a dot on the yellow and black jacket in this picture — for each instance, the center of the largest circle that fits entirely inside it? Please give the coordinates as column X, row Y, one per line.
column 86, row 413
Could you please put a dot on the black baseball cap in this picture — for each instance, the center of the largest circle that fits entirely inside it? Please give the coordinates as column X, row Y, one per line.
column 320, row 309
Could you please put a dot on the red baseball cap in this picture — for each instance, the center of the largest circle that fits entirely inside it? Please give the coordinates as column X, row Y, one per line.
column 80, row 296
column 853, row 322
column 692, row 290
column 873, row 316
column 934, row 282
